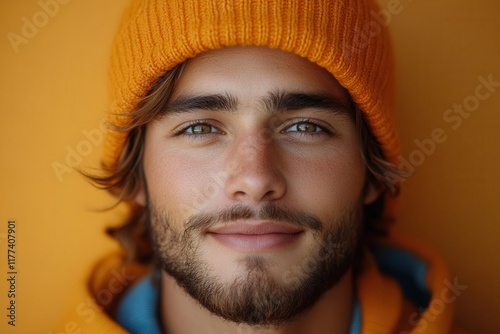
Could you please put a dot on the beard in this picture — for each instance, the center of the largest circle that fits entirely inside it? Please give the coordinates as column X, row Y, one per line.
column 256, row 297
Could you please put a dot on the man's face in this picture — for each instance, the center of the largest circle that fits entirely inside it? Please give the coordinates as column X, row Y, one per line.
column 255, row 183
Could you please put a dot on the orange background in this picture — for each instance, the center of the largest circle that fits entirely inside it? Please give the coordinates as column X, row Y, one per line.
column 54, row 89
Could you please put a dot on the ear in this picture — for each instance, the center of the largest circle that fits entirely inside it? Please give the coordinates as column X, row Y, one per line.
column 371, row 193
column 140, row 197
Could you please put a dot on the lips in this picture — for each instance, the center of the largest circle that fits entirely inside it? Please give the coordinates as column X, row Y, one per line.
column 252, row 237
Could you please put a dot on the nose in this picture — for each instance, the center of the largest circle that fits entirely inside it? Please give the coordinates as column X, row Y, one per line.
column 255, row 171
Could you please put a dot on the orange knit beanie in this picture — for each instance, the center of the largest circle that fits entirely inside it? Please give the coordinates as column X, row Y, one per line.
column 346, row 37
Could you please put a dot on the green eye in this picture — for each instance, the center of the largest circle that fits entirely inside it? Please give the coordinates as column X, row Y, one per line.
column 304, row 127
column 200, row 129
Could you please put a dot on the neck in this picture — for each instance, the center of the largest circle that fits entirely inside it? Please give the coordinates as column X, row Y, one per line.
column 180, row 313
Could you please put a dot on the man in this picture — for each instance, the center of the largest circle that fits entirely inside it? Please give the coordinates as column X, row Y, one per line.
column 254, row 145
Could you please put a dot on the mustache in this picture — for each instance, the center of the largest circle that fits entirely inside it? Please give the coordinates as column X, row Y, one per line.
column 268, row 211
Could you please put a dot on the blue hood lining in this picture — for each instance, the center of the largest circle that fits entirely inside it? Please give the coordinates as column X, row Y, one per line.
column 409, row 270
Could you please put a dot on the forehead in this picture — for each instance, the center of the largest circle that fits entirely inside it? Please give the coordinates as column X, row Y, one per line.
column 253, row 70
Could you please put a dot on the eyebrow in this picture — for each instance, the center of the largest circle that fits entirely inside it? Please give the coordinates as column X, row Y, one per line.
column 275, row 102
column 288, row 101
column 215, row 102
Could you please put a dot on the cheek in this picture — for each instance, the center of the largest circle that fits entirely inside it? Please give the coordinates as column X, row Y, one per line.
column 327, row 183
column 181, row 184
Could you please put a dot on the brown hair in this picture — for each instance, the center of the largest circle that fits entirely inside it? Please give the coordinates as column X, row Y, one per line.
column 125, row 181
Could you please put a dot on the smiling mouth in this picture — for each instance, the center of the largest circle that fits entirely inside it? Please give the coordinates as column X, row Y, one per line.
column 255, row 237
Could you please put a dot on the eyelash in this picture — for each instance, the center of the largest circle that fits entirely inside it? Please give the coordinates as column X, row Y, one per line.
column 294, row 122
column 183, row 130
